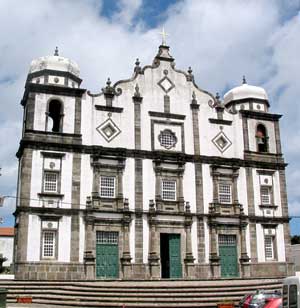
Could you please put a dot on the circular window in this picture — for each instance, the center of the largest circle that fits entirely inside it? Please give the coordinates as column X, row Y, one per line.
column 167, row 139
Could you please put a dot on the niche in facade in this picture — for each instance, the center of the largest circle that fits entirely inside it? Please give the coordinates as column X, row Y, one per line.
column 261, row 138
column 54, row 116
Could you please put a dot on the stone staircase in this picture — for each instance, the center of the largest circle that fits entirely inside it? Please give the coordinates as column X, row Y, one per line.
column 131, row 294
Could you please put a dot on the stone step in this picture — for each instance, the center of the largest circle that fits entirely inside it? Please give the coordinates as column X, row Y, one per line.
column 134, row 294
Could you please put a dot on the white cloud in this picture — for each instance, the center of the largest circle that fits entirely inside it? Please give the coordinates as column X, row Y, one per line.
column 221, row 40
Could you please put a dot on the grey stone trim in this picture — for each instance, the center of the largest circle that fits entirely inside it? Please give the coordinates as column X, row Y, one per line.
column 260, row 115
column 283, row 193
column 199, row 188
column 77, row 118
column 220, row 121
column 277, row 137
column 29, row 111
column 247, row 100
column 21, row 237
column 250, row 191
column 139, row 238
column 245, row 133
column 109, row 108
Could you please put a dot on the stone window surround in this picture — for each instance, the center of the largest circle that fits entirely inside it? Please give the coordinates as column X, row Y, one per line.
column 219, row 176
column 266, row 137
column 112, row 170
column 167, row 123
column 269, row 173
column 54, row 195
column 173, row 174
column 55, row 98
column 42, row 230
column 274, row 236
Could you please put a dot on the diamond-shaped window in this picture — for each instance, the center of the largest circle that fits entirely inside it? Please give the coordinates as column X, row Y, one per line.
column 108, row 130
column 166, row 84
column 222, row 142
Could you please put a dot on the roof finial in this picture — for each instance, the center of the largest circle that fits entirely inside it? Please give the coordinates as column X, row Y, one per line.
column 163, row 37
column 244, row 79
column 56, row 51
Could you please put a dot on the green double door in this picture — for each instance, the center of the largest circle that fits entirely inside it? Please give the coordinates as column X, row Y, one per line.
column 107, row 255
column 228, row 256
column 170, row 254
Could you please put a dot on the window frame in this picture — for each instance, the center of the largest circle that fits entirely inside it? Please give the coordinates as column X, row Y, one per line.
column 107, row 187
column 57, row 174
column 272, row 248
column 54, row 245
column 168, row 190
column 269, row 188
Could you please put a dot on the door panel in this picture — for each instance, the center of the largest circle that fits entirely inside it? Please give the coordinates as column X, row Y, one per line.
column 228, row 256
column 175, row 256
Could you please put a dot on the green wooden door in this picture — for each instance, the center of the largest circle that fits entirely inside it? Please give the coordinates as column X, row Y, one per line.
column 174, row 256
column 107, row 255
column 228, row 256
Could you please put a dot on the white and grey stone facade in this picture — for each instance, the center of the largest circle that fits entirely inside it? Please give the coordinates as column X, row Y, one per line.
column 109, row 182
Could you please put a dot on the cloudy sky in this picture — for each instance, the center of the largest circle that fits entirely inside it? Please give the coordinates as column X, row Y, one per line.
column 221, row 40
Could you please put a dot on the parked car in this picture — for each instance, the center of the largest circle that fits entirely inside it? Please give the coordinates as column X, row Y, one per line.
column 258, row 299
column 273, row 303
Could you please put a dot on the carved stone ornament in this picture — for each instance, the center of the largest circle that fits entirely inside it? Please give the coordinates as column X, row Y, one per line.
column 166, row 84
column 222, row 142
column 108, row 130
column 167, row 139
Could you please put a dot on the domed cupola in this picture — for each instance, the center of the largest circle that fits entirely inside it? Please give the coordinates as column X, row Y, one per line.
column 55, row 70
column 247, row 97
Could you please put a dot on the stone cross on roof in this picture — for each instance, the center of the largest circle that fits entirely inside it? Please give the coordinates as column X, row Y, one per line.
column 163, row 36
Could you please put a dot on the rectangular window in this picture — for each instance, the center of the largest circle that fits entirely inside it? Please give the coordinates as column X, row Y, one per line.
column 169, row 190
column 49, row 244
column 50, row 181
column 269, row 247
column 107, row 186
column 224, row 193
column 265, row 194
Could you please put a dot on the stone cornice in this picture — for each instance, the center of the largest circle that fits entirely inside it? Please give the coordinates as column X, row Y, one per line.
column 74, row 146
column 53, row 72
column 50, row 89
column 260, row 115
column 166, row 115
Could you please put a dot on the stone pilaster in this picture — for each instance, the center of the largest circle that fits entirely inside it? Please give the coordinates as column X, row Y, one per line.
column 277, row 137
column 153, row 257
column 189, row 259
column 244, row 260
column 250, row 191
column 137, row 100
column 253, row 242
column 76, row 174
column 245, row 133
column 126, row 257
column 167, row 103
column 214, row 257
column 29, row 115
column 180, row 192
column 77, row 118
column 89, row 253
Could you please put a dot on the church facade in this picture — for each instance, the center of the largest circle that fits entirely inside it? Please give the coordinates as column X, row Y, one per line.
column 151, row 178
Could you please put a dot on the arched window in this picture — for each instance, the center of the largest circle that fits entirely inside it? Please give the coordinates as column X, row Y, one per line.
column 54, row 116
column 261, row 138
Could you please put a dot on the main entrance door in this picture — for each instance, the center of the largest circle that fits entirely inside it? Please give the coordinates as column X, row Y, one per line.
column 170, row 256
column 228, row 255
column 107, row 255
